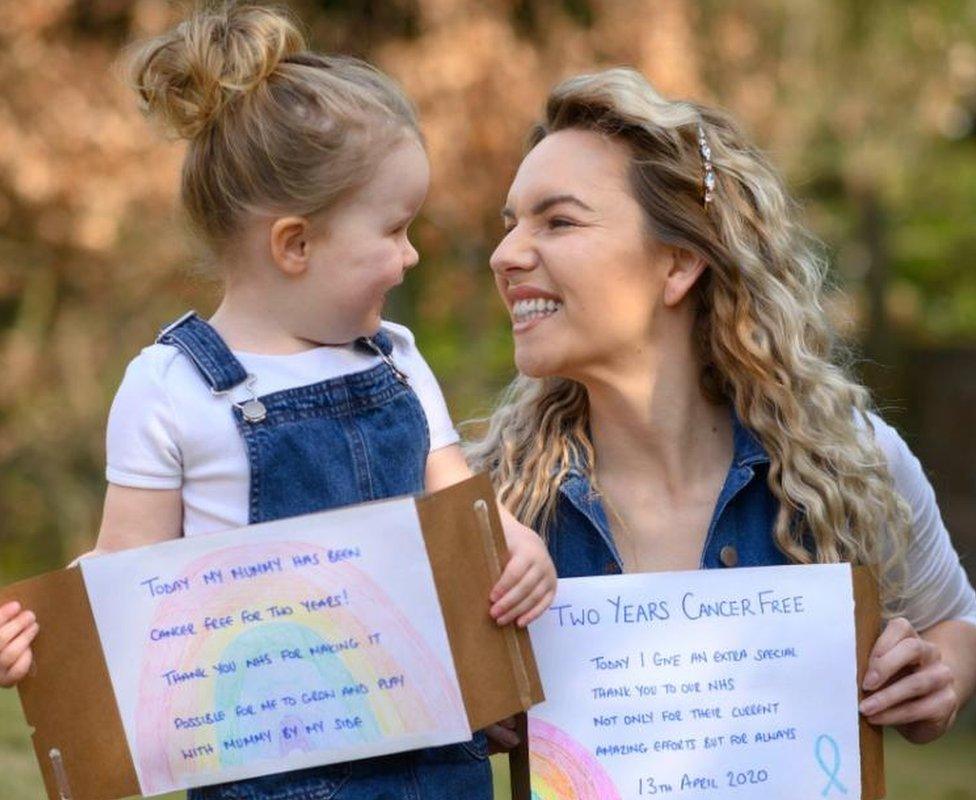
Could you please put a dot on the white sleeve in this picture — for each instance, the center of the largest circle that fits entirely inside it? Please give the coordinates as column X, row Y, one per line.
column 141, row 441
column 936, row 586
column 422, row 380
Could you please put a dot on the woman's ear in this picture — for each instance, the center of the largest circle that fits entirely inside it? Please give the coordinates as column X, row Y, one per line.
column 290, row 244
column 686, row 268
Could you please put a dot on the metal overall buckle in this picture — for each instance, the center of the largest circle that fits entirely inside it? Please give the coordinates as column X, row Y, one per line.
column 252, row 408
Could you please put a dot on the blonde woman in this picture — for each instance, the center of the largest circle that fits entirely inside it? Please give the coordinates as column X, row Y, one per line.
column 679, row 404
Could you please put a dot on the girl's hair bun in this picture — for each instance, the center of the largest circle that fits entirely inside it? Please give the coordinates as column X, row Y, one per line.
column 187, row 76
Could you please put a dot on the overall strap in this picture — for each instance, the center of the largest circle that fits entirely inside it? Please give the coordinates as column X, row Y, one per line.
column 381, row 343
column 381, row 339
column 209, row 353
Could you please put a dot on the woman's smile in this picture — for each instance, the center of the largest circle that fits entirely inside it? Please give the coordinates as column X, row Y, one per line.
column 527, row 314
column 529, row 306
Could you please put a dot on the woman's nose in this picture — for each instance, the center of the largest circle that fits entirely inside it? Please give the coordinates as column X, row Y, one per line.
column 514, row 252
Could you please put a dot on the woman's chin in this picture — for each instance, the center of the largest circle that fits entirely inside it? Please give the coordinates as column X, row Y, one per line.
column 532, row 363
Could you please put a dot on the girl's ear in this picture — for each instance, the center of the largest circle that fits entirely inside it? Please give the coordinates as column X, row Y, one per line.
column 290, row 244
column 686, row 267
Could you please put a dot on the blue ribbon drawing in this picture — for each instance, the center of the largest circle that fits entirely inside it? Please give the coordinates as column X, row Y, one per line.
column 831, row 773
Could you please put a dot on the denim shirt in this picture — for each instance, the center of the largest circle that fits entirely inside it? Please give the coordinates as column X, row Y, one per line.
column 739, row 534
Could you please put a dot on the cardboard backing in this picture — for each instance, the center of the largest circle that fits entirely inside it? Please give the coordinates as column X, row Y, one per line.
column 70, row 705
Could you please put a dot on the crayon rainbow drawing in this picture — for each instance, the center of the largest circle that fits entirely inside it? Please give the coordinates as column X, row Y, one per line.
column 307, row 658
column 562, row 769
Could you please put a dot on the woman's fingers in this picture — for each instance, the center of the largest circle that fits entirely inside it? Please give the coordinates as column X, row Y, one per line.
column 887, row 662
column 501, row 738
column 921, row 695
column 895, row 631
column 938, row 708
column 922, row 683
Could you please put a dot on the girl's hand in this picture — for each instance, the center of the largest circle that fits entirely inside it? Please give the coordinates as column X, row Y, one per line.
column 502, row 736
column 17, row 630
column 913, row 689
column 528, row 583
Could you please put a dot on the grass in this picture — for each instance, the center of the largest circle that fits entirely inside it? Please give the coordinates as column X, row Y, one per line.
column 945, row 770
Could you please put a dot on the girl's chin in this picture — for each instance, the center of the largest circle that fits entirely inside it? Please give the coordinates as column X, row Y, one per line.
column 371, row 323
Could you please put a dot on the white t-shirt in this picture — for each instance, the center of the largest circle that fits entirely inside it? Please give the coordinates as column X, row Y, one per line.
column 166, row 430
column 936, row 586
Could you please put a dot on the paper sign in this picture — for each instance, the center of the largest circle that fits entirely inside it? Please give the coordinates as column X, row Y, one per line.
column 310, row 641
column 708, row 684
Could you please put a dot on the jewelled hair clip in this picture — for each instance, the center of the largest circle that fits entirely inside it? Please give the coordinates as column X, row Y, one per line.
column 706, row 154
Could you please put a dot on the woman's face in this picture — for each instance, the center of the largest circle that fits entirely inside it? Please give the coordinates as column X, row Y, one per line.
column 580, row 275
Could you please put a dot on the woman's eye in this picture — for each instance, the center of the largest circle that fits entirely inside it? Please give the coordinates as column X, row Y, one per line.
column 561, row 222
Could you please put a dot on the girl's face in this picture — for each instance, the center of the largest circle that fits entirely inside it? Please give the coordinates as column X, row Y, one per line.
column 360, row 249
column 579, row 273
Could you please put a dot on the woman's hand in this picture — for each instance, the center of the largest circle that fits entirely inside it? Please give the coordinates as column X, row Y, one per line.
column 912, row 688
column 528, row 583
column 502, row 736
column 18, row 628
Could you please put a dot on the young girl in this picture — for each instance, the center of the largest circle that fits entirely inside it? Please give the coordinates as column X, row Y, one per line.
column 302, row 174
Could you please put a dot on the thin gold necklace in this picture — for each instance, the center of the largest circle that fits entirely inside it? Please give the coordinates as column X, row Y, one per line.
column 624, row 529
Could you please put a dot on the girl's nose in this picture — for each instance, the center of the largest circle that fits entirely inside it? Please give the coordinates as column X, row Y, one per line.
column 411, row 256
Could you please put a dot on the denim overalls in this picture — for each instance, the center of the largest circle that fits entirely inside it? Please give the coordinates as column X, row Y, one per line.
column 740, row 532
column 345, row 440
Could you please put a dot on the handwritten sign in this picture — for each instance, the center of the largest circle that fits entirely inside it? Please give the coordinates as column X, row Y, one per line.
column 708, row 684
column 289, row 644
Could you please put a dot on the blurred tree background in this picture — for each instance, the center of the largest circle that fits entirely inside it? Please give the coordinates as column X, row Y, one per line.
column 867, row 106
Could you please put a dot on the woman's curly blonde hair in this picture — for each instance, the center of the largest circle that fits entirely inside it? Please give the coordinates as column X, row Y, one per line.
column 761, row 333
